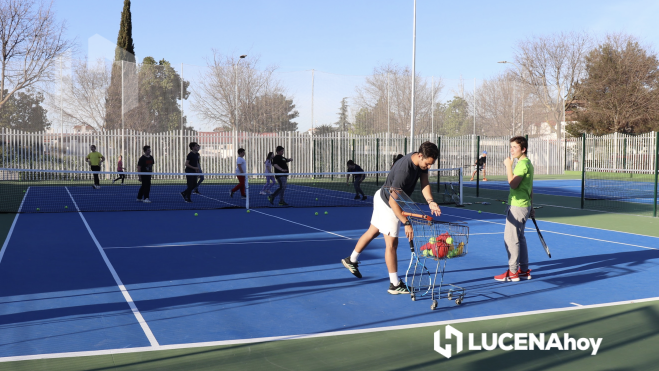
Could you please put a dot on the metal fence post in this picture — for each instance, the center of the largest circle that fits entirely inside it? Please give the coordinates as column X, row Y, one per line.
column 478, row 169
column 583, row 169
column 656, row 171
column 377, row 161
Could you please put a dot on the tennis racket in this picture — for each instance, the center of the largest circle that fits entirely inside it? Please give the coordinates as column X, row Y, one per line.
column 542, row 240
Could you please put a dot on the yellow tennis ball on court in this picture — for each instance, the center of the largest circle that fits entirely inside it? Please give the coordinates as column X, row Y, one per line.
column 247, row 210
column 325, row 212
column 449, row 240
column 38, row 209
column 316, row 212
column 316, row 199
column 66, row 207
column 479, row 211
column 195, row 214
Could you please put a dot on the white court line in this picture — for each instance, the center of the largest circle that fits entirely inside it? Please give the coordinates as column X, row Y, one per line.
column 320, row 335
column 304, row 225
column 13, row 224
column 117, row 280
column 578, row 305
column 565, row 234
column 221, row 243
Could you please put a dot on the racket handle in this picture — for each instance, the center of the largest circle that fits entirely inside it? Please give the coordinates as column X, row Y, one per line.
column 426, row 217
column 411, row 245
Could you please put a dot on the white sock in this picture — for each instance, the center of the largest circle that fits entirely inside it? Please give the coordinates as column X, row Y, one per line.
column 393, row 278
column 354, row 256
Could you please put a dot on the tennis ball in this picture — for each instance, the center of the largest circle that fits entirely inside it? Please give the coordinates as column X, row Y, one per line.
column 503, row 203
column 449, row 240
column 23, row 191
column 325, row 212
column 38, row 209
column 195, row 214
column 316, row 199
column 432, row 240
column 479, row 211
column 316, row 212
column 247, row 210
column 66, row 207
column 425, row 252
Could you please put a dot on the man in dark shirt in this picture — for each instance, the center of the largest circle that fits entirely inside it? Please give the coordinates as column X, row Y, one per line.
column 192, row 168
column 387, row 215
column 145, row 165
column 357, row 179
column 480, row 165
column 280, row 163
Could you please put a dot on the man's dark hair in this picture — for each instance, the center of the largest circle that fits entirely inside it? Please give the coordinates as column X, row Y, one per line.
column 145, row 148
column 241, row 150
column 192, row 145
column 523, row 143
column 279, row 148
column 429, row 149
column 350, row 162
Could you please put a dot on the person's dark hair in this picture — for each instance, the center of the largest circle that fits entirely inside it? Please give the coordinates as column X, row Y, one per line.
column 241, row 150
column 396, row 158
column 279, row 148
column 429, row 149
column 145, row 148
column 523, row 143
column 268, row 157
column 350, row 162
column 192, row 145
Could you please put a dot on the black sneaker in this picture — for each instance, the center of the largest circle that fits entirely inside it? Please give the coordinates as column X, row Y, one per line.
column 352, row 267
column 196, row 191
column 364, row 198
column 188, row 200
column 183, row 195
column 283, row 203
column 401, row 288
column 271, row 199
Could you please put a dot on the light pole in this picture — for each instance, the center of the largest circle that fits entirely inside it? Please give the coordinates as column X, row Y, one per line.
column 235, row 124
column 523, row 91
column 413, row 76
column 236, row 108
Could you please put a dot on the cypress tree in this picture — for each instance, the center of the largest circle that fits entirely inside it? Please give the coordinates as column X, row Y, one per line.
column 125, row 50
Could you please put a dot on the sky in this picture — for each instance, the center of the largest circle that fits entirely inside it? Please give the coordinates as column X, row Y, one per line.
column 342, row 41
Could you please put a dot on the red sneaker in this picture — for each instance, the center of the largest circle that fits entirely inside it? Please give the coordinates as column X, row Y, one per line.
column 508, row 276
column 526, row 275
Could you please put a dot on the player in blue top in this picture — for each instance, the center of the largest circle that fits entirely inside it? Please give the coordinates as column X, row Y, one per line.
column 357, row 179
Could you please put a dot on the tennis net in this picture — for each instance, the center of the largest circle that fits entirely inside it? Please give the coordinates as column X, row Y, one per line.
column 48, row 191
column 623, row 190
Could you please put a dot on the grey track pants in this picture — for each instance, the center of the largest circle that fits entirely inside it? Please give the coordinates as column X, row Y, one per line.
column 513, row 237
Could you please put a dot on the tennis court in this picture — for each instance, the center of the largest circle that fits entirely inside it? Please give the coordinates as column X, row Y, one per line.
column 115, row 282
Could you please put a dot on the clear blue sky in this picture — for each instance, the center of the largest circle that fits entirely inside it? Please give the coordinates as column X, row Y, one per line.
column 454, row 38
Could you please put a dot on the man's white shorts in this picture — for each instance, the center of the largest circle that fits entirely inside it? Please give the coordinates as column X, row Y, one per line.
column 383, row 217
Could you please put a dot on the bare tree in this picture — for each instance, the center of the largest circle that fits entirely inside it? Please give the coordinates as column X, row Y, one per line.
column 551, row 67
column 83, row 93
column 499, row 105
column 385, row 101
column 32, row 40
column 260, row 94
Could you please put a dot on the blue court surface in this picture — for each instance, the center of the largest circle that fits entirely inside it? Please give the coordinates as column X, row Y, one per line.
column 76, row 282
